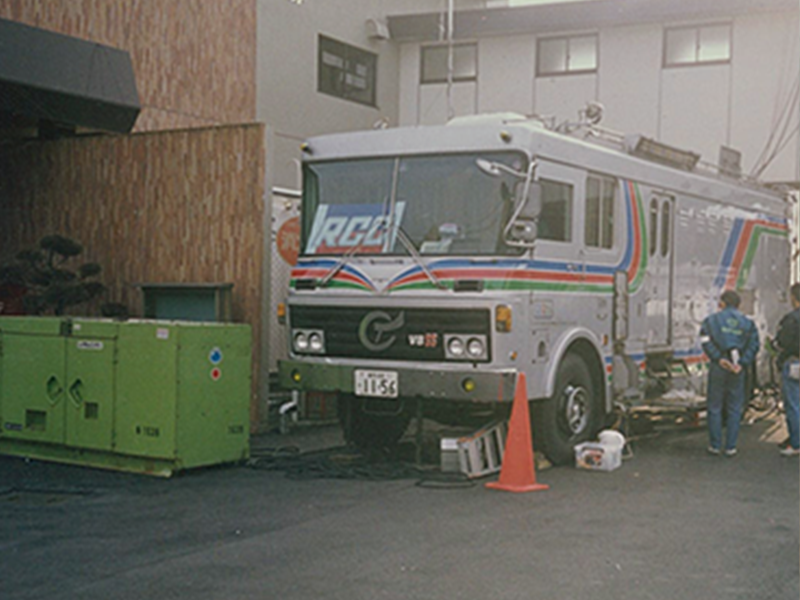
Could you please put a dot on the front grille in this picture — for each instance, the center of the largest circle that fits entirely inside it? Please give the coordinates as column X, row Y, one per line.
column 390, row 333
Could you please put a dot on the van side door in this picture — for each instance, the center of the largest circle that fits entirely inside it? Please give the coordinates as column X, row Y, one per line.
column 658, row 282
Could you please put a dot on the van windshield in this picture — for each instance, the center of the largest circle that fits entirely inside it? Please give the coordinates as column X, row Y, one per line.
column 443, row 204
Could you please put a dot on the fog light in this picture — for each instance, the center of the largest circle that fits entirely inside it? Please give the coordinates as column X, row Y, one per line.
column 296, row 377
column 468, row 385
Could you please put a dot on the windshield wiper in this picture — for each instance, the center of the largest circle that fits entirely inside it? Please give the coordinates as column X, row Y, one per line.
column 388, row 217
column 391, row 227
column 341, row 263
column 412, row 250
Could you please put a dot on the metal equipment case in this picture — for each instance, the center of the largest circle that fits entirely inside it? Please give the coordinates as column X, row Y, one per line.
column 144, row 396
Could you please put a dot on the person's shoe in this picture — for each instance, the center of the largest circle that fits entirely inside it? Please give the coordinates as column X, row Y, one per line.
column 789, row 451
column 712, row 450
column 731, row 452
column 784, row 444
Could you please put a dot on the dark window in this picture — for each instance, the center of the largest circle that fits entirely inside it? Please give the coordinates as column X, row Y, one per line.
column 345, row 71
column 444, row 204
column 434, row 63
column 555, row 219
column 599, row 227
column 562, row 55
column 653, row 225
column 665, row 221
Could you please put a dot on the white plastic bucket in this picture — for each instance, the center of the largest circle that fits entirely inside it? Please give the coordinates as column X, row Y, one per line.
column 612, row 438
column 603, row 455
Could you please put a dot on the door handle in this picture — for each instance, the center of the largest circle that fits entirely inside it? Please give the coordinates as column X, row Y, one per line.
column 53, row 390
column 75, row 392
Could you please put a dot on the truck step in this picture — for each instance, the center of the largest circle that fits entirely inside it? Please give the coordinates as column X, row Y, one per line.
column 477, row 454
column 680, row 399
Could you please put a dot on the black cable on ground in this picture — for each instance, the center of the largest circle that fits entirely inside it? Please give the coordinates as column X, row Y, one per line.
column 347, row 463
column 13, row 492
column 438, row 480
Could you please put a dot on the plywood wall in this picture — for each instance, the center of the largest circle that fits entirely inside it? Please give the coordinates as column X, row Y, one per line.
column 179, row 206
column 194, row 60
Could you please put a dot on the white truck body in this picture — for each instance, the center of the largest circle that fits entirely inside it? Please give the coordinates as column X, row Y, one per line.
column 627, row 257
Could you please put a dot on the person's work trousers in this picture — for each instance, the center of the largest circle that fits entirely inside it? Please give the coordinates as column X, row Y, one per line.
column 791, row 403
column 725, row 393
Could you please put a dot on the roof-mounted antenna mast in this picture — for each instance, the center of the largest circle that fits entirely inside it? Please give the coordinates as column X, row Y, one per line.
column 450, row 8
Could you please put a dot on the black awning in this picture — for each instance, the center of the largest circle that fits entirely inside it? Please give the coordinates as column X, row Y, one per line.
column 63, row 81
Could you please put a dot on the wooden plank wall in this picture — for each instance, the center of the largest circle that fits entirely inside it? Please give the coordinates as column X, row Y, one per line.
column 177, row 206
column 194, row 60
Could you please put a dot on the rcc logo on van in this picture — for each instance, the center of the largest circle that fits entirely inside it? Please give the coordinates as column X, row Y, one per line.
column 375, row 325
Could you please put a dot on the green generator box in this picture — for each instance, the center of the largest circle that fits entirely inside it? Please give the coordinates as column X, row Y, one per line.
column 145, row 396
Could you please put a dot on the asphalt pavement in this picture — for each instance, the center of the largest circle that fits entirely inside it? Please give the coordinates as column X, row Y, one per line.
column 308, row 519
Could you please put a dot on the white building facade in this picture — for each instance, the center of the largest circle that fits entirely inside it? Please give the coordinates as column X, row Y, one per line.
column 697, row 74
column 325, row 66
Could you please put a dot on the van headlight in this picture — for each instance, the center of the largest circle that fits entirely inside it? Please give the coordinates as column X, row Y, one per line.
column 455, row 347
column 465, row 347
column 308, row 341
column 300, row 341
column 476, row 348
column 315, row 342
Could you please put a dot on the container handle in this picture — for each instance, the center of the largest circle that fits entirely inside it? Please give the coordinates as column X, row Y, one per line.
column 53, row 390
column 75, row 392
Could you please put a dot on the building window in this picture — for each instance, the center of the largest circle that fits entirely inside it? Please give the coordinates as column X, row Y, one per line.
column 434, row 63
column 345, row 71
column 697, row 45
column 599, row 227
column 555, row 218
column 566, row 55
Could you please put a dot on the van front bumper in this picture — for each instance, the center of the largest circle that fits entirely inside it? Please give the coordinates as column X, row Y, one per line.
column 418, row 381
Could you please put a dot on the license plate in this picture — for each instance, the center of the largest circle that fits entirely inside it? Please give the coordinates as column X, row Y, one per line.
column 377, row 384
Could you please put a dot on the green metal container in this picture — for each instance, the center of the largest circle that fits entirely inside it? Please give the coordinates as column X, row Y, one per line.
column 33, row 379
column 145, row 396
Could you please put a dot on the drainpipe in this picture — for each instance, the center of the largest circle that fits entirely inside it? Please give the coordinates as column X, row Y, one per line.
column 450, row 5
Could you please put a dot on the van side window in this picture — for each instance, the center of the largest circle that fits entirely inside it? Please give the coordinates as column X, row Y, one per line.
column 665, row 232
column 599, row 227
column 555, row 218
column 653, row 225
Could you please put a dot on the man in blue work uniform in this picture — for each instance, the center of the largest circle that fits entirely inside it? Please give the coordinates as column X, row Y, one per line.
column 730, row 340
column 788, row 342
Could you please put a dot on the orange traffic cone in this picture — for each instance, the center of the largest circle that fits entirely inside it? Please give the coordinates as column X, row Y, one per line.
column 518, row 473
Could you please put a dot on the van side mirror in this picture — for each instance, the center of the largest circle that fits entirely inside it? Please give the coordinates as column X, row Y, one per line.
column 523, row 230
column 533, row 203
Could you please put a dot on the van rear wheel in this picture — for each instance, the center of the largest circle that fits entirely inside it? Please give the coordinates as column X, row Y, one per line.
column 572, row 415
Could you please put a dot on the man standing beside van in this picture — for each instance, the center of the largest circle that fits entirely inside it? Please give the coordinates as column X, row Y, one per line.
column 730, row 341
column 788, row 342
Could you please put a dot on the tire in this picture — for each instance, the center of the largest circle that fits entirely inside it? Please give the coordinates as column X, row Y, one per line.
column 574, row 413
column 372, row 424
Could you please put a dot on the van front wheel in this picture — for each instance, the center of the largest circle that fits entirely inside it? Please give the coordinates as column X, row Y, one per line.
column 571, row 416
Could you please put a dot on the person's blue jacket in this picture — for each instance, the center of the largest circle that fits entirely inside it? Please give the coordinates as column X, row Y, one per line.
column 726, row 330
